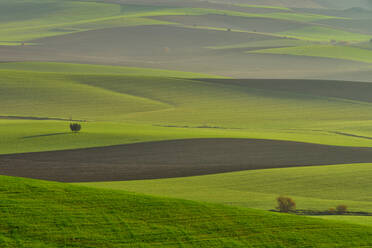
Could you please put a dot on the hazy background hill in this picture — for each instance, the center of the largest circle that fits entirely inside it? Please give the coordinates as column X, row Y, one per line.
column 241, row 39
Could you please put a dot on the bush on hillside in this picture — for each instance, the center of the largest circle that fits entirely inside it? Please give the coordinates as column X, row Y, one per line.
column 75, row 127
column 341, row 209
column 285, row 204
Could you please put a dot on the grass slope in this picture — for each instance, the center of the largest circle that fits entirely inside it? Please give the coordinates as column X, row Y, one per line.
column 164, row 107
column 325, row 51
column 41, row 18
column 98, row 69
column 318, row 188
column 51, row 95
column 45, row 214
column 19, row 136
column 319, row 33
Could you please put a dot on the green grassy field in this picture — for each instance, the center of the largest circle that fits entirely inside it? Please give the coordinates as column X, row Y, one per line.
column 325, row 34
column 313, row 188
column 117, row 100
column 325, row 51
column 359, row 220
column 46, row 214
column 20, row 136
column 97, row 69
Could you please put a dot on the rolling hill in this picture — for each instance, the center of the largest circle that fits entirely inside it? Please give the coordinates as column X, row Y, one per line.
column 230, row 104
column 116, row 100
column 81, row 217
column 313, row 188
column 181, row 33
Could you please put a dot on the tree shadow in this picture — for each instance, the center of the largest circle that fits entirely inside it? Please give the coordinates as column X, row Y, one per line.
column 45, row 135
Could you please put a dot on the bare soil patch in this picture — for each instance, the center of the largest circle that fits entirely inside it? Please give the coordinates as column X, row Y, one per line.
column 177, row 158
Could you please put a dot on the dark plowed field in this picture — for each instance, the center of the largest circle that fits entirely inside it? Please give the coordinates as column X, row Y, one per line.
column 176, row 158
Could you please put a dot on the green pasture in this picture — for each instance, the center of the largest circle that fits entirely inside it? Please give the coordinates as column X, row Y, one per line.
column 360, row 220
column 168, row 101
column 313, row 188
column 324, row 51
column 47, row 214
column 39, row 18
column 69, row 68
column 126, row 105
column 20, row 136
column 325, row 34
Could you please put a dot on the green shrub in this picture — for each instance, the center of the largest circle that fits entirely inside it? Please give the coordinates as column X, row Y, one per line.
column 341, row 209
column 75, row 127
column 285, row 204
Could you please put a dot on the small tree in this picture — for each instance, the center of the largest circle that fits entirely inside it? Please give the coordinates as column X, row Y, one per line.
column 75, row 127
column 341, row 209
column 285, row 204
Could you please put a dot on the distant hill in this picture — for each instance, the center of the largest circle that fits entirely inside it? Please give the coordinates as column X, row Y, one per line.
column 345, row 4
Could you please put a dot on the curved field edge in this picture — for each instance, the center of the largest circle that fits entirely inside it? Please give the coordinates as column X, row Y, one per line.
column 46, row 214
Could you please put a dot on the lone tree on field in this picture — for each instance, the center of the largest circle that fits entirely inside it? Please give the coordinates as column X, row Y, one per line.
column 75, row 127
column 285, row 204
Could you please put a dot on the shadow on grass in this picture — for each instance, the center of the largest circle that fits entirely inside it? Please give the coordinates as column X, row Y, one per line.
column 352, row 135
column 46, row 135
